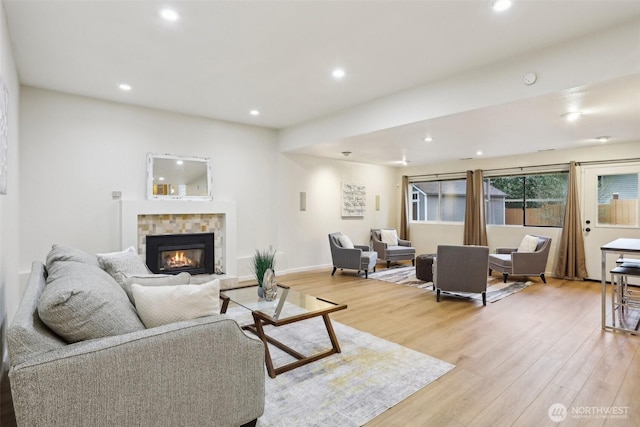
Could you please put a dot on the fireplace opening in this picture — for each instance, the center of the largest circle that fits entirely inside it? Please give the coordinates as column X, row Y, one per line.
column 175, row 253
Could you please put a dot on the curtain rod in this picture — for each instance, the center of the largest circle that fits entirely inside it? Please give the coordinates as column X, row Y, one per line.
column 522, row 168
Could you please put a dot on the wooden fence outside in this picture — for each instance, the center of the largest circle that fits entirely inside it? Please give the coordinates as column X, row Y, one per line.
column 618, row 212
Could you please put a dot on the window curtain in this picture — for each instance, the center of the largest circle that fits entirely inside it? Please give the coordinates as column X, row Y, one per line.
column 475, row 228
column 404, row 209
column 571, row 259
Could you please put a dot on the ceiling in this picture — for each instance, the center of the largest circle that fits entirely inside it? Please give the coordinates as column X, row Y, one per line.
column 222, row 59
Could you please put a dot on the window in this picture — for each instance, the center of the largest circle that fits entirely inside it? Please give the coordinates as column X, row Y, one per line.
column 439, row 201
column 531, row 200
column 618, row 199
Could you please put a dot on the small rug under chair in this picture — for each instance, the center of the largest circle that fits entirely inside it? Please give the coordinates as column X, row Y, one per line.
column 496, row 289
column 347, row 389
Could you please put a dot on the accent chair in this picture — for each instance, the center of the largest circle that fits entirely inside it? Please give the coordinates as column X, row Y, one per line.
column 461, row 269
column 391, row 248
column 353, row 257
column 522, row 261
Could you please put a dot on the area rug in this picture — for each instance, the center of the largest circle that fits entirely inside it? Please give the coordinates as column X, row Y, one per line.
column 496, row 289
column 368, row 377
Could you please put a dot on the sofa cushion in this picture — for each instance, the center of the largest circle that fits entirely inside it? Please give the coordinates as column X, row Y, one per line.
column 119, row 264
column 82, row 302
column 66, row 253
column 183, row 278
column 160, row 305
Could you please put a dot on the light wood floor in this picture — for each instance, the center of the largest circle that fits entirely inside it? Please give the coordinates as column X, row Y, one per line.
column 514, row 358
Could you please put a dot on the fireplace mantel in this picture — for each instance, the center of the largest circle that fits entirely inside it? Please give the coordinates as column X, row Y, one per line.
column 130, row 209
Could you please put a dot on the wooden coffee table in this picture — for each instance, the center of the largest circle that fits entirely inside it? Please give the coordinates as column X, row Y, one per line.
column 297, row 307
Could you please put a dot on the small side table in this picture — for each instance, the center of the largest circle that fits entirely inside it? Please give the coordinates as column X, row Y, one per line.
column 424, row 267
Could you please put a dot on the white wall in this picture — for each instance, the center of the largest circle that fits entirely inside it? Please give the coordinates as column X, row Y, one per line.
column 9, row 239
column 304, row 233
column 76, row 151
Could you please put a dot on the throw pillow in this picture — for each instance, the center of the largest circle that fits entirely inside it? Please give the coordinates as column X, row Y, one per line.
column 528, row 244
column 183, row 278
column 390, row 237
column 345, row 242
column 82, row 302
column 66, row 253
column 160, row 305
column 119, row 264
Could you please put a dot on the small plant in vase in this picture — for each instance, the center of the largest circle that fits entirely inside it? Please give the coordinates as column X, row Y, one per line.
column 262, row 262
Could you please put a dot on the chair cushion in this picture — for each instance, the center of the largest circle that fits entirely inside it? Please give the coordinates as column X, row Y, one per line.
column 528, row 244
column 82, row 302
column 160, row 305
column 345, row 242
column 400, row 250
column 390, row 237
column 502, row 260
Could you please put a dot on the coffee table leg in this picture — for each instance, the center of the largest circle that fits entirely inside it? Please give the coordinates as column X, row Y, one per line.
column 332, row 334
column 263, row 337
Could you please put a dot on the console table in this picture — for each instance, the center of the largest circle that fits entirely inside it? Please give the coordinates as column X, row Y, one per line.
column 621, row 247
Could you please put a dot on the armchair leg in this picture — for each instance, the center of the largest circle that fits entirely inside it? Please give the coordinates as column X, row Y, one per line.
column 437, row 295
column 484, row 299
column 504, row 277
column 334, row 270
column 413, row 262
column 543, row 279
column 490, row 270
column 366, row 274
column 374, row 268
column 388, row 264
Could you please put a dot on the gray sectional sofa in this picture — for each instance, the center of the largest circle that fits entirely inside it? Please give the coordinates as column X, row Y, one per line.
column 109, row 370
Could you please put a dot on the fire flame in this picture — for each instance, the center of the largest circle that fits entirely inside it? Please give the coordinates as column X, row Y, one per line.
column 179, row 259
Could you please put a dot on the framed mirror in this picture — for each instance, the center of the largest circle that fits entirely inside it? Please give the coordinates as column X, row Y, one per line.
column 178, row 177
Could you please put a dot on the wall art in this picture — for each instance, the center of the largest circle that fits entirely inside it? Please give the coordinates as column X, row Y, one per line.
column 354, row 200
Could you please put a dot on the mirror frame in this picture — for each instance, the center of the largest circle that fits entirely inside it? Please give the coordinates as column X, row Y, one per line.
column 150, row 159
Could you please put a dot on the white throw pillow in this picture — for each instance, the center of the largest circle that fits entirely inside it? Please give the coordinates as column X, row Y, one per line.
column 346, row 242
column 160, row 305
column 528, row 244
column 119, row 264
column 183, row 278
column 390, row 237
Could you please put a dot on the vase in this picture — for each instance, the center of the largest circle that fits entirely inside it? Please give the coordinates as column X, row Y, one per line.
column 269, row 286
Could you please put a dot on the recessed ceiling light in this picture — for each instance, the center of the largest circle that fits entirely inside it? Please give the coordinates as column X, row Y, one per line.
column 501, row 5
column 161, row 178
column 602, row 139
column 169, row 15
column 124, row 86
column 572, row 116
column 254, row 112
column 479, row 153
column 338, row 73
column 179, row 162
column 428, row 139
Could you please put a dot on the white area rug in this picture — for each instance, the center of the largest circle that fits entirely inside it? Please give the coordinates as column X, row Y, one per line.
column 496, row 289
column 368, row 377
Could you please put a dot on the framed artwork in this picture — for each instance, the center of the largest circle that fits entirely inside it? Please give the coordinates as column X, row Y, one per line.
column 354, row 200
column 4, row 135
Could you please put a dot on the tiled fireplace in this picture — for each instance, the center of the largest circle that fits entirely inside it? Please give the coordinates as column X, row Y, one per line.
column 140, row 219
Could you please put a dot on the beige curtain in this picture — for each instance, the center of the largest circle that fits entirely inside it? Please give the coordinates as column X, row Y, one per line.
column 571, row 260
column 404, row 209
column 475, row 228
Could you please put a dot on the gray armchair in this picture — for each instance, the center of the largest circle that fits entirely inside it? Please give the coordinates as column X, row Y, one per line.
column 357, row 257
column 402, row 251
column 509, row 261
column 461, row 269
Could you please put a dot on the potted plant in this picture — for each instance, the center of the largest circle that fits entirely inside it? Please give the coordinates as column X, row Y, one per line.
column 261, row 262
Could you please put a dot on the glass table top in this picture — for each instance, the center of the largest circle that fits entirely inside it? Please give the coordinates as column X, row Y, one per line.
column 295, row 304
